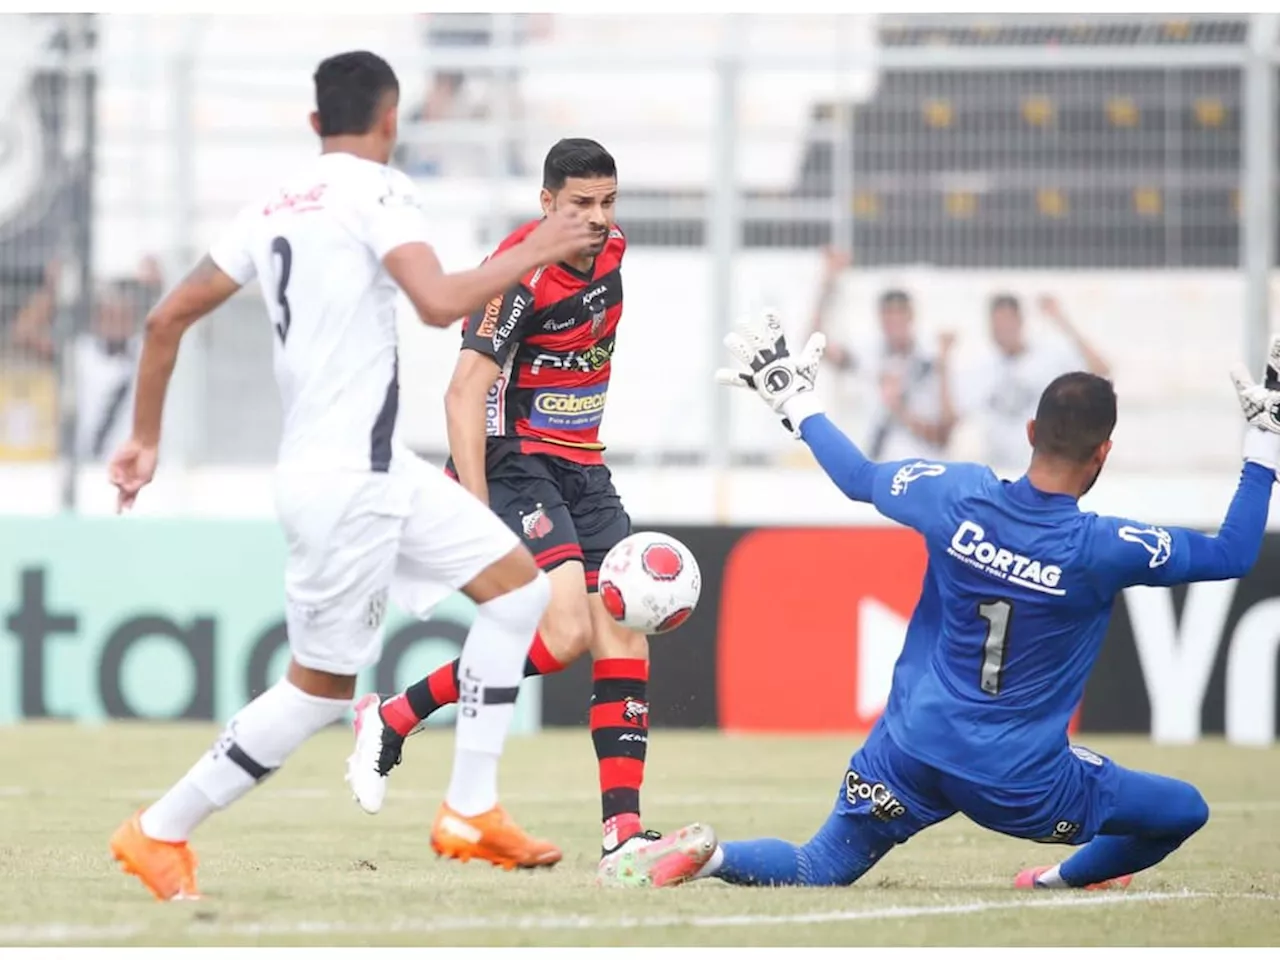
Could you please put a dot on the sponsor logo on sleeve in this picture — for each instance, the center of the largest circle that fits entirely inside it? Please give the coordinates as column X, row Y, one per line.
column 489, row 322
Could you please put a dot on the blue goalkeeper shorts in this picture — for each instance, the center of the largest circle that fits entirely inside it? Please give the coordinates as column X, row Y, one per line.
column 890, row 795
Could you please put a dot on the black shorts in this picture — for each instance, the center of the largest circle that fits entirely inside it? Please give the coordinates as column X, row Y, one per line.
column 561, row 510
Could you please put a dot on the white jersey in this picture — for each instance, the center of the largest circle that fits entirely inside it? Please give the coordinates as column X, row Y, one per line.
column 922, row 398
column 316, row 246
column 1003, row 392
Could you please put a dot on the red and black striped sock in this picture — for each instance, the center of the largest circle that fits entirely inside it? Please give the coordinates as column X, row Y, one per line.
column 620, row 732
column 406, row 710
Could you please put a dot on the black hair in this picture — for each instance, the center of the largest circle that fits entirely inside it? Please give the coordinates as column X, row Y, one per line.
column 1076, row 415
column 350, row 88
column 895, row 298
column 576, row 157
column 1006, row 300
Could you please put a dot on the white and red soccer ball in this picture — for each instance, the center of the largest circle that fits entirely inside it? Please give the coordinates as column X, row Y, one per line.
column 650, row 582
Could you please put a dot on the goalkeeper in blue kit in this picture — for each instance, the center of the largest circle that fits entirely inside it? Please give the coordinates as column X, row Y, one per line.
column 1012, row 613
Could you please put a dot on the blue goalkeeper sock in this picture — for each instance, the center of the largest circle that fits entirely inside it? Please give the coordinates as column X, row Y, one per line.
column 842, row 851
column 760, row 863
column 1152, row 817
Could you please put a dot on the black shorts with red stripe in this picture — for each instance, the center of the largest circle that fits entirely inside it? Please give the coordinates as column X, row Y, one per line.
column 561, row 510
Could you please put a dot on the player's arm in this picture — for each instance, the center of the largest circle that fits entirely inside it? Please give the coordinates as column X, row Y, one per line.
column 1132, row 554
column 786, row 384
column 198, row 294
column 212, row 281
column 1094, row 361
column 487, row 342
column 834, row 261
column 1138, row 554
column 397, row 227
column 441, row 299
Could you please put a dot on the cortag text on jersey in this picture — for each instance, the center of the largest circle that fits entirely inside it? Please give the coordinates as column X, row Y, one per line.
column 971, row 546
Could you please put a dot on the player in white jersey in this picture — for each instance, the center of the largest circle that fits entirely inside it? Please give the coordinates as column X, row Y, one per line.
column 362, row 516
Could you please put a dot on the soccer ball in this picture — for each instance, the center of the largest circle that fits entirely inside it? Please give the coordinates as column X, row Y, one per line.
column 650, row 582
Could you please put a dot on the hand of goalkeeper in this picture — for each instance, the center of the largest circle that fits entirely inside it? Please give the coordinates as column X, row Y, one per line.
column 784, row 382
column 1261, row 406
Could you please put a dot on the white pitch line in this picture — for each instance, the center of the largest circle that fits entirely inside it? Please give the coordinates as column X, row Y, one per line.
column 61, row 933
column 686, row 799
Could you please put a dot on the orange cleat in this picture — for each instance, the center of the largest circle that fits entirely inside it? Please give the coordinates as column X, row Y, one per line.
column 167, row 869
column 491, row 836
column 1026, row 880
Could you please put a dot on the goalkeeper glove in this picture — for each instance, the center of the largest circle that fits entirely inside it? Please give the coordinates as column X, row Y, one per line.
column 1261, row 406
column 784, row 382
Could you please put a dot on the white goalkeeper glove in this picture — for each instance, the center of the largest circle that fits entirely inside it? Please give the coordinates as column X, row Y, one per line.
column 1261, row 406
column 784, row 382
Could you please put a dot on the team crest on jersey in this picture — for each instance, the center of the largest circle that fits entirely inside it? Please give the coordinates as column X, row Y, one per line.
column 1155, row 540
column 597, row 309
column 536, row 524
column 912, row 472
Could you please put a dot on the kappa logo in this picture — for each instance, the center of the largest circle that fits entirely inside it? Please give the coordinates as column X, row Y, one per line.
column 1155, row 540
column 970, row 545
column 377, row 609
column 913, row 472
column 536, row 524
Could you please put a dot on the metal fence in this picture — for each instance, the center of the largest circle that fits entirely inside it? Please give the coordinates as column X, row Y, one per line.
column 1122, row 164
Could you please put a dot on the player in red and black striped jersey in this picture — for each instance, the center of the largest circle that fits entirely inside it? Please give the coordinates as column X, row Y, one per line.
column 524, row 411
column 550, row 340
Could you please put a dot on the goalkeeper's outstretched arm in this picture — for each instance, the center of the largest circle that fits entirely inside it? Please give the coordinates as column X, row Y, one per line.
column 846, row 465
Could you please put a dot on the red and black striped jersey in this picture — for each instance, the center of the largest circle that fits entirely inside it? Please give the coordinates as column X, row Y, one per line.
column 553, row 335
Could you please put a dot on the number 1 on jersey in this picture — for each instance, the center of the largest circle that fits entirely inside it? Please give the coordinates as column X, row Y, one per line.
column 997, row 614
column 280, row 247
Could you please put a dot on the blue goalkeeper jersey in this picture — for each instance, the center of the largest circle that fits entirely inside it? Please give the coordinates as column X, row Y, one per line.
column 1015, row 601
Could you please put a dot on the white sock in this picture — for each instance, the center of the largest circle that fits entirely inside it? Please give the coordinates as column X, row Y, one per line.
column 489, row 674
column 711, row 866
column 255, row 742
column 1051, row 879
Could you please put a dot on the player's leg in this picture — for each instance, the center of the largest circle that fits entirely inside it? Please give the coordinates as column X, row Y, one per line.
column 1144, row 818
column 1126, row 821
column 619, row 717
column 452, row 541
column 524, row 495
column 884, row 799
column 336, row 597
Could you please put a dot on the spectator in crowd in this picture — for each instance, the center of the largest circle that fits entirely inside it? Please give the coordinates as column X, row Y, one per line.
column 452, row 95
column 1001, row 392
column 105, row 356
column 912, row 416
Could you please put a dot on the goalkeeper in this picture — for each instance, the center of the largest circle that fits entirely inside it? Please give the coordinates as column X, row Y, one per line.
column 1012, row 613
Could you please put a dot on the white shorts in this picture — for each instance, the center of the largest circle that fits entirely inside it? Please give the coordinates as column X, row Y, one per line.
column 357, row 539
